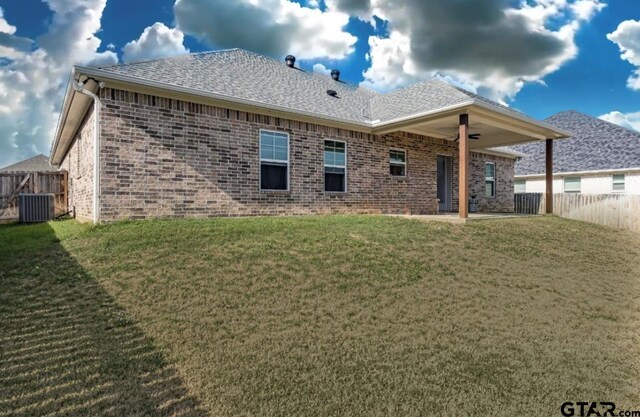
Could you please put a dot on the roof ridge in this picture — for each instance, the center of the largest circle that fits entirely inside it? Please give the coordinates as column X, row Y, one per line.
column 413, row 85
column 597, row 119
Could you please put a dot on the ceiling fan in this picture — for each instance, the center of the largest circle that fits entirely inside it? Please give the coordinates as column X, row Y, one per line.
column 472, row 136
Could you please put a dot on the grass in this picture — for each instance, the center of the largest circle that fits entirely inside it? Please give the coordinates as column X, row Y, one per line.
column 317, row 316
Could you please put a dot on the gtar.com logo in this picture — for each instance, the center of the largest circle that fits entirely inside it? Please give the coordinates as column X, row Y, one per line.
column 586, row 409
column 594, row 409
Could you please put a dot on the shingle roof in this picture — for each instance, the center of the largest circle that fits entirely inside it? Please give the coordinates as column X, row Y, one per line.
column 249, row 76
column 596, row 145
column 38, row 163
column 422, row 97
column 245, row 75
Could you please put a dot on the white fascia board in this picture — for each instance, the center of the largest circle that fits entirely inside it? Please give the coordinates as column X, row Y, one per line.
column 62, row 118
column 560, row 133
column 595, row 172
column 465, row 104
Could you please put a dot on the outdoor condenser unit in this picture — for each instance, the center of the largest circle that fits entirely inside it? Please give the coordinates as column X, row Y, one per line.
column 34, row 208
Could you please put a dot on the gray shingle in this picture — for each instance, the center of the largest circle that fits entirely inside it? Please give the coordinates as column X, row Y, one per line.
column 249, row 76
column 245, row 75
column 38, row 163
column 418, row 98
column 595, row 145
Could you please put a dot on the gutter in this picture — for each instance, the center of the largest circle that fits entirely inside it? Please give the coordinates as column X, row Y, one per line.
column 594, row 172
column 62, row 118
column 80, row 88
column 462, row 105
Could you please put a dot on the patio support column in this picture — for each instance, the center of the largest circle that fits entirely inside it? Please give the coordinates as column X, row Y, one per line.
column 549, row 178
column 463, row 174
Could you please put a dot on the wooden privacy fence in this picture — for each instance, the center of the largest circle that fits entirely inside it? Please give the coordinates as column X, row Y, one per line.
column 616, row 210
column 15, row 183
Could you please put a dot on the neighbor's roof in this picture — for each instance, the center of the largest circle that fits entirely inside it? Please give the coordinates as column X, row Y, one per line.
column 38, row 163
column 596, row 145
column 245, row 75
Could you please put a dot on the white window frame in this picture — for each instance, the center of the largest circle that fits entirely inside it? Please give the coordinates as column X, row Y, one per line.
column 515, row 183
column 274, row 161
column 624, row 183
column 324, row 165
column 495, row 192
column 404, row 164
column 564, row 185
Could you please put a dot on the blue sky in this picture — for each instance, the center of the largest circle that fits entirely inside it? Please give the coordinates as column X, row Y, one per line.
column 372, row 42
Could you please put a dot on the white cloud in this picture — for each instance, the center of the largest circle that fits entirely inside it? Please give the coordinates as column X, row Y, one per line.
column 32, row 83
column 586, row 9
column 488, row 44
column 270, row 27
column 156, row 41
column 628, row 120
column 627, row 37
column 11, row 46
column 320, row 68
column 5, row 27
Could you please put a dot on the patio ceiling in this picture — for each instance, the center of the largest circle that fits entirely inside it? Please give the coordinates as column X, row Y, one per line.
column 494, row 128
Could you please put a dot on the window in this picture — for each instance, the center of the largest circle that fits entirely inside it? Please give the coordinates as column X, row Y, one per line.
column 274, row 161
column 521, row 186
column 490, row 179
column 618, row 183
column 335, row 166
column 398, row 163
column 572, row 184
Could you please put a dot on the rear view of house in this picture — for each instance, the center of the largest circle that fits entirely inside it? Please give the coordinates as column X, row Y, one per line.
column 232, row 133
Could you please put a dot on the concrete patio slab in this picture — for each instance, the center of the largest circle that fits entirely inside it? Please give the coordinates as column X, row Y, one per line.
column 453, row 217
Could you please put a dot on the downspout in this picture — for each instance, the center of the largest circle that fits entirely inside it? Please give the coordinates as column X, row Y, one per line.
column 79, row 87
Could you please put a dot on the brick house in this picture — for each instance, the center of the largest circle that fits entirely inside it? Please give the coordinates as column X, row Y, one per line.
column 232, row 133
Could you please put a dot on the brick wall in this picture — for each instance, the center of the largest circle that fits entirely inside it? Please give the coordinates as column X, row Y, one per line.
column 168, row 158
column 78, row 162
column 503, row 200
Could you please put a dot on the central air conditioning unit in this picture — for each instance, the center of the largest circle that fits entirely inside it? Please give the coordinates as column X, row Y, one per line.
column 36, row 208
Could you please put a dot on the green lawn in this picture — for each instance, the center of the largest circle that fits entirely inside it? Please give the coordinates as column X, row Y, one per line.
column 317, row 316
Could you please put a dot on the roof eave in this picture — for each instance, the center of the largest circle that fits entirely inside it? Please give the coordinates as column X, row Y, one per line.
column 75, row 105
column 62, row 119
column 223, row 98
column 421, row 117
column 550, row 132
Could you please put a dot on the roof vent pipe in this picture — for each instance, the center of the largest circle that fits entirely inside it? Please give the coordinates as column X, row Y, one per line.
column 290, row 60
column 335, row 74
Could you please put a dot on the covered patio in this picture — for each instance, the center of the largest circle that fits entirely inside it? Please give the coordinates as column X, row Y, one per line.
column 482, row 127
column 455, row 217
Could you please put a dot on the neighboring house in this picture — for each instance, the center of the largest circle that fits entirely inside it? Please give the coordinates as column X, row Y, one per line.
column 38, row 163
column 599, row 158
column 232, row 133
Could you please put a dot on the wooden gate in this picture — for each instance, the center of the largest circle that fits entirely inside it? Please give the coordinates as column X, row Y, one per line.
column 15, row 183
column 528, row 203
